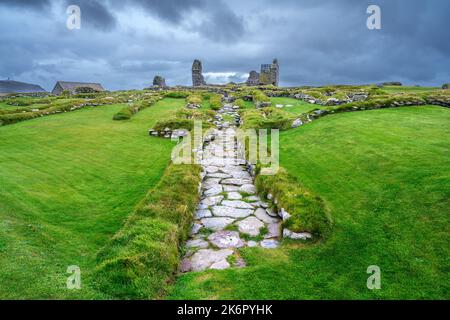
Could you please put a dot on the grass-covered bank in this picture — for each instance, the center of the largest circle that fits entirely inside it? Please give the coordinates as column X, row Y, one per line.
column 67, row 182
column 384, row 175
column 142, row 258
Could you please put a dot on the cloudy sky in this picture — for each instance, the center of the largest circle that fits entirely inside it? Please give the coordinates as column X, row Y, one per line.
column 124, row 43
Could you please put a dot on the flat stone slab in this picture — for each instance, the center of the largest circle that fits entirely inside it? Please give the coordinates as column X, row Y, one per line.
column 222, row 211
column 230, row 188
column 197, row 243
column 262, row 215
column 237, row 204
column 233, row 195
column 211, row 169
column 296, row 236
column 186, row 265
column 273, row 230
column 203, row 213
column 250, row 226
column 218, row 175
column 195, row 228
column 226, row 239
column 214, row 191
column 210, row 182
column 236, row 182
column 252, row 244
column 205, row 258
column 216, row 223
column 253, row 199
column 211, row 201
column 248, row 188
column 269, row 244
column 220, row 265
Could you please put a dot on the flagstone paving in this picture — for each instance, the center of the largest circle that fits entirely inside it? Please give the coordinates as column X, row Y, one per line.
column 230, row 215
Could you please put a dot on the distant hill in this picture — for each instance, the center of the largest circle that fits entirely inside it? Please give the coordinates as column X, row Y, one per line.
column 9, row 86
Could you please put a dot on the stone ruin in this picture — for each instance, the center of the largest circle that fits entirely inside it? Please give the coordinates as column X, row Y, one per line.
column 159, row 81
column 269, row 75
column 197, row 77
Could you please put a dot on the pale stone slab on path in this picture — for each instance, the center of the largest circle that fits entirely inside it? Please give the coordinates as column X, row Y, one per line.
column 205, row 258
column 250, row 226
column 234, row 195
column 226, row 239
column 269, row 244
column 211, row 201
column 248, row 188
column 237, row 204
column 216, row 223
column 262, row 215
column 197, row 243
column 214, row 191
column 222, row 211
column 203, row 213
column 273, row 230
column 236, row 182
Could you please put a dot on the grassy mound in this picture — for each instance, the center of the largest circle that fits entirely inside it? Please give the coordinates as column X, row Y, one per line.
column 133, row 108
column 143, row 256
column 308, row 211
column 266, row 118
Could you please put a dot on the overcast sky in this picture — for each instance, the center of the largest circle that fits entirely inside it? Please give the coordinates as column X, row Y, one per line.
column 124, row 43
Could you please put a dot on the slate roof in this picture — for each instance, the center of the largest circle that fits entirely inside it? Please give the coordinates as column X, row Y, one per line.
column 10, row 86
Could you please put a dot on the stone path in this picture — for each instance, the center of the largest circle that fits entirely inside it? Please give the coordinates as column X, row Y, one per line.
column 230, row 215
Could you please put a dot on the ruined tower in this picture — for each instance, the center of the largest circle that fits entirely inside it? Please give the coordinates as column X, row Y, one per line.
column 197, row 76
column 270, row 74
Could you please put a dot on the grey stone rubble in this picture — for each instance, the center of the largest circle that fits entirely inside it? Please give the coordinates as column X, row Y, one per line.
column 230, row 215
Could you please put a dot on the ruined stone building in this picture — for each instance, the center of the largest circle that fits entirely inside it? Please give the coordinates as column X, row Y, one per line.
column 197, row 76
column 76, row 87
column 159, row 81
column 270, row 74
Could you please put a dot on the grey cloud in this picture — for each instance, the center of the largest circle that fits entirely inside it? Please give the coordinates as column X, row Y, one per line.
column 316, row 42
column 170, row 10
column 221, row 23
column 27, row 4
column 94, row 13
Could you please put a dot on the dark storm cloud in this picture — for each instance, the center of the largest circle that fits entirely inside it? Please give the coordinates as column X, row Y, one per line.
column 221, row 23
column 30, row 4
column 123, row 44
column 170, row 10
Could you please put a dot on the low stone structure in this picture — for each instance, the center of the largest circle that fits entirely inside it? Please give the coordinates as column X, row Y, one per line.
column 253, row 78
column 76, row 87
column 159, row 81
column 269, row 75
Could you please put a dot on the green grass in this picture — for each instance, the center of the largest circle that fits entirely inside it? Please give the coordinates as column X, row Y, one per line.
column 67, row 182
column 408, row 89
column 384, row 176
column 298, row 106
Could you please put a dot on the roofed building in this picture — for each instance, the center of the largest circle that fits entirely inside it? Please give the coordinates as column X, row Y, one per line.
column 76, row 87
column 10, row 86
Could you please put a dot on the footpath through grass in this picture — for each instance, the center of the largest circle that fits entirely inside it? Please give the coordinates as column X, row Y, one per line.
column 385, row 176
column 67, row 183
